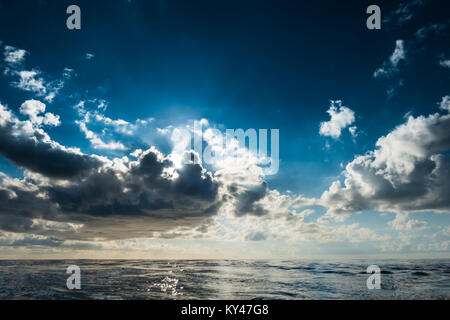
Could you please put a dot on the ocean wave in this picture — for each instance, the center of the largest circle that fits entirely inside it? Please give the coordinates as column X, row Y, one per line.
column 224, row 279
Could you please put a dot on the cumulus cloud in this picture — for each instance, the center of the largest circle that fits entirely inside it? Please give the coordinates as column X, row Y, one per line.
column 408, row 171
column 341, row 117
column 33, row 109
column 391, row 66
column 401, row 222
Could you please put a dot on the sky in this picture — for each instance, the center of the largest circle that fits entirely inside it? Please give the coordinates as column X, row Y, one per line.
column 98, row 128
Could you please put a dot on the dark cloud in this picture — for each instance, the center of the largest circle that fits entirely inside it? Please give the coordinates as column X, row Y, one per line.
column 109, row 199
column 247, row 198
column 133, row 201
column 19, row 206
column 32, row 149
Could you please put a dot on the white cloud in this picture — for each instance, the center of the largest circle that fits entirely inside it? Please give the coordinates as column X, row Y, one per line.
column 91, row 111
column 399, row 53
column 445, row 103
column 30, row 81
column 341, row 117
column 33, row 109
column 393, row 88
column 89, row 56
column 445, row 63
column 5, row 115
column 119, row 125
column 14, row 56
column 97, row 115
column 401, row 222
column 95, row 139
column 353, row 131
column 33, row 81
column 51, row 119
column 391, row 66
column 48, row 225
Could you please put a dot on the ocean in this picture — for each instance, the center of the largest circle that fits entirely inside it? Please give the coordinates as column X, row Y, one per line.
column 224, row 279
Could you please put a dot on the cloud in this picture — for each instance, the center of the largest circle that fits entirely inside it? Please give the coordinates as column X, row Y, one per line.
column 96, row 141
column 445, row 103
column 341, row 117
column 92, row 112
column 408, row 171
column 14, row 56
column 32, row 80
column 33, row 109
column 425, row 32
column 247, row 199
column 391, row 66
column 401, row 222
column 61, row 185
column 89, row 56
column 445, row 63
column 136, row 199
column 353, row 131
column 256, row 236
column 27, row 145
column 393, row 88
column 404, row 12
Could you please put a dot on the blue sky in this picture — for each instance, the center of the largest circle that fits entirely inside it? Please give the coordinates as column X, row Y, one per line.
column 138, row 70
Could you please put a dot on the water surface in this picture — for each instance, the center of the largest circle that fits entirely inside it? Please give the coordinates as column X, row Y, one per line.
column 224, row 279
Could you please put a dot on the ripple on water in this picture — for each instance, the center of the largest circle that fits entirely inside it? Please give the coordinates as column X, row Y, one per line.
column 170, row 286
